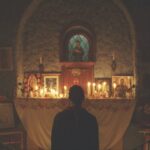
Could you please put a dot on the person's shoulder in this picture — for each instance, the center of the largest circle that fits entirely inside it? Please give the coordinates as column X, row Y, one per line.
column 63, row 113
column 89, row 115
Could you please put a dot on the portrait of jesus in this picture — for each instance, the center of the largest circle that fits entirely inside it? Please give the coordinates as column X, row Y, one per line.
column 78, row 48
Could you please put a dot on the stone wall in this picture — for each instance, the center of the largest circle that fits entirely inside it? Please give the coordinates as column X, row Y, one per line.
column 42, row 31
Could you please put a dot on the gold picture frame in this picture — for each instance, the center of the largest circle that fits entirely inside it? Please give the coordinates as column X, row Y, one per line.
column 51, row 82
column 123, row 86
column 105, row 86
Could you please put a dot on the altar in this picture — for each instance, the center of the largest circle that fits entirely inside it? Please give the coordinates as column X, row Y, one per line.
column 113, row 117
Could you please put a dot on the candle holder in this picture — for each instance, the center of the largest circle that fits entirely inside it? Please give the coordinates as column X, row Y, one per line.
column 41, row 68
column 114, row 65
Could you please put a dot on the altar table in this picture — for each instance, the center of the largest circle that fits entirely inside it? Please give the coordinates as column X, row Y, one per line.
column 113, row 117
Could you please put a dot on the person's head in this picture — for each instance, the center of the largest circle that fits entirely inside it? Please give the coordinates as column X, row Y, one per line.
column 76, row 95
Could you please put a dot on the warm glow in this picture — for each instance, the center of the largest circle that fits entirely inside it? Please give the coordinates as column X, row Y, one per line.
column 94, row 84
column 104, row 83
column 65, row 87
column 42, row 92
column 61, row 95
column 89, row 83
column 114, row 85
column 31, row 94
column 36, row 87
column 99, row 87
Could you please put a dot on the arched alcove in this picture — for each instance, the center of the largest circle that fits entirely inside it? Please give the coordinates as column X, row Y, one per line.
column 40, row 34
column 84, row 36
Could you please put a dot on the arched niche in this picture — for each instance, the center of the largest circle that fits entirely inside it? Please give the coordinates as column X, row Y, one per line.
column 77, row 33
column 40, row 12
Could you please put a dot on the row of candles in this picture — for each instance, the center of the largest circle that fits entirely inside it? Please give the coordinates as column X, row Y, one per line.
column 50, row 93
column 98, row 90
column 92, row 90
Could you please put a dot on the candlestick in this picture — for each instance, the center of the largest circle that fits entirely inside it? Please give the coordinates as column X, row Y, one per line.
column 113, row 55
column 41, row 60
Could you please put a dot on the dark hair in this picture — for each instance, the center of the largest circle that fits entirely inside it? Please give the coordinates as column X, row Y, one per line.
column 76, row 94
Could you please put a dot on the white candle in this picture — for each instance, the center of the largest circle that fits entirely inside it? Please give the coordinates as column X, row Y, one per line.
column 104, row 86
column 114, row 88
column 36, row 87
column 89, row 88
column 99, row 86
column 93, row 89
column 65, row 90
column 42, row 92
column 114, row 85
column 31, row 94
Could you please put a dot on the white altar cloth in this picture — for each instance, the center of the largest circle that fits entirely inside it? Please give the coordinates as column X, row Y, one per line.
column 113, row 117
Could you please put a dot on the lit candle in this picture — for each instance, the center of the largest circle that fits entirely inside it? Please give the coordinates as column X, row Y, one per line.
column 104, row 86
column 130, row 82
column 99, row 87
column 61, row 95
column 52, row 92
column 31, row 94
column 93, row 90
column 89, row 88
column 42, row 92
column 36, row 87
column 56, row 94
column 114, row 85
column 45, row 90
column 65, row 90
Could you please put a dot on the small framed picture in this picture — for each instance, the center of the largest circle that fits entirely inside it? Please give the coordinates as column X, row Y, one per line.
column 103, row 86
column 127, row 80
column 123, row 86
column 6, row 115
column 51, row 82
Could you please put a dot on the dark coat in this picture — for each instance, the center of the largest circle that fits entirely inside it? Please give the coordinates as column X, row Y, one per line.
column 74, row 129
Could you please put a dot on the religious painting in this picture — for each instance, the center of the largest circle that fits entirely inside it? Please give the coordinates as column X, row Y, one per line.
column 103, row 87
column 6, row 115
column 123, row 86
column 6, row 58
column 78, row 47
column 32, row 82
column 51, row 84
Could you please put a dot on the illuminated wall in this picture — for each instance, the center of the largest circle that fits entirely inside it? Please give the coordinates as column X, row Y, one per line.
column 41, row 28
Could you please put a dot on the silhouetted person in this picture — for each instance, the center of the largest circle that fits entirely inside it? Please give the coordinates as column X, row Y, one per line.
column 75, row 128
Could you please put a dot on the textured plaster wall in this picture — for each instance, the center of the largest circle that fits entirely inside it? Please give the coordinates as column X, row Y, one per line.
column 42, row 32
